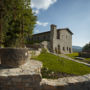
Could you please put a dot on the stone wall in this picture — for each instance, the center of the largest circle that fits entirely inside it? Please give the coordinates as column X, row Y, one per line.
column 45, row 36
column 28, row 77
column 34, row 53
column 61, row 40
column 67, row 83
column 20, row 82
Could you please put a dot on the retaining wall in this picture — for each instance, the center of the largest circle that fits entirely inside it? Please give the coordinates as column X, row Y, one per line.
column 28, row 77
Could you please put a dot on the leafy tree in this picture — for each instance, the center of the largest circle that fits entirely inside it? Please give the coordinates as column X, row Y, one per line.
column 19, row 22
column 86, row 47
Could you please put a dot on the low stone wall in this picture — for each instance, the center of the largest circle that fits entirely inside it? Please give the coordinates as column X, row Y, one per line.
column 28, row 77
column 67, row 83
column 20, row 82
column 33, row 53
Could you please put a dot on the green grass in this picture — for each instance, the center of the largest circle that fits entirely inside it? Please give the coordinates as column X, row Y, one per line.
column 73, row 55
column 88, row 59
column 59, row 64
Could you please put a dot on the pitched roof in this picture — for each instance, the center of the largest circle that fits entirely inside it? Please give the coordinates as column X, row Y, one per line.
column 41, row 33
column 57, row 29
column 66, row 29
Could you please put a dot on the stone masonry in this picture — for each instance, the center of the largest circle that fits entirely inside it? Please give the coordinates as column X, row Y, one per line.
column 28, row 77
column 58, row 40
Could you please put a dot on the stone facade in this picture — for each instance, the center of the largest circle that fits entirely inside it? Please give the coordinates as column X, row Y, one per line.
column 59, row 40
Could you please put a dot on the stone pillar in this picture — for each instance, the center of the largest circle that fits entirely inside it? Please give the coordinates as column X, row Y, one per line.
column 53, row 35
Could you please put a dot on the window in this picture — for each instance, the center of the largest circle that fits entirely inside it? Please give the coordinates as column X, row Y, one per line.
column 56, row 50
column 59, row 49
column 58, row 34
column 63, row 48
column 67, row 48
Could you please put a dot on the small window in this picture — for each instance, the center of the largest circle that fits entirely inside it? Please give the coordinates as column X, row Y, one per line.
column 59, row 49
column 63, row 48
column 58, row 34
column 67, row 48
column 56, row 50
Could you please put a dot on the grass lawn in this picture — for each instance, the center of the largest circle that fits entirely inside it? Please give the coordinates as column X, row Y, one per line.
column 74, row 55
column 59, row 64
column 88, row 59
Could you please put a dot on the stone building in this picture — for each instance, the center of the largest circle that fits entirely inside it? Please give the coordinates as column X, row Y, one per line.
column 55, row 40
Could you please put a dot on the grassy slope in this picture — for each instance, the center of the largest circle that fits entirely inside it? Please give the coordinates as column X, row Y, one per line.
column 73, row 55
column 58, row 64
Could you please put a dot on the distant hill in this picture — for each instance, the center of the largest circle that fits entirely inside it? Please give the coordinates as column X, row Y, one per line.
column 77, row 48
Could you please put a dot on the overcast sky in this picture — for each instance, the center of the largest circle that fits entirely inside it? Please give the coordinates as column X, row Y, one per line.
column 72, row 14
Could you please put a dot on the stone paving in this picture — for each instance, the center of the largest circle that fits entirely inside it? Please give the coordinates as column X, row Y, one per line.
column 29, row 68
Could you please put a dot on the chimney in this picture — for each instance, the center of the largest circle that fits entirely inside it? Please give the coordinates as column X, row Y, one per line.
column 53, row 27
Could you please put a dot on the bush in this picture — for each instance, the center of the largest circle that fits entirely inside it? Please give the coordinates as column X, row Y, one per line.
column 86, row 47
column 44, row 50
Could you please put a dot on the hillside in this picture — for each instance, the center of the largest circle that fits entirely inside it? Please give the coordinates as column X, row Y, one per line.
column 77, row 48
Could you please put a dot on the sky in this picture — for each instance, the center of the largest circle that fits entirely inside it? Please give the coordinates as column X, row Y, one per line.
column 72, row 14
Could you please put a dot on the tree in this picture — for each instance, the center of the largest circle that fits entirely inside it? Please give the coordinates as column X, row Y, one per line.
column 2, row 13
column 86, row 47
column 20, row 22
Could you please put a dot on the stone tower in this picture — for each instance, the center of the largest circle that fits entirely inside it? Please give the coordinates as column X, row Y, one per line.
column 53, row 34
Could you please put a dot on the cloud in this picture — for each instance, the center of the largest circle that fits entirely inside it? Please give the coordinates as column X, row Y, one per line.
column 36, row 11
column 42, row 4
column 37, row 31
column 42, row 23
